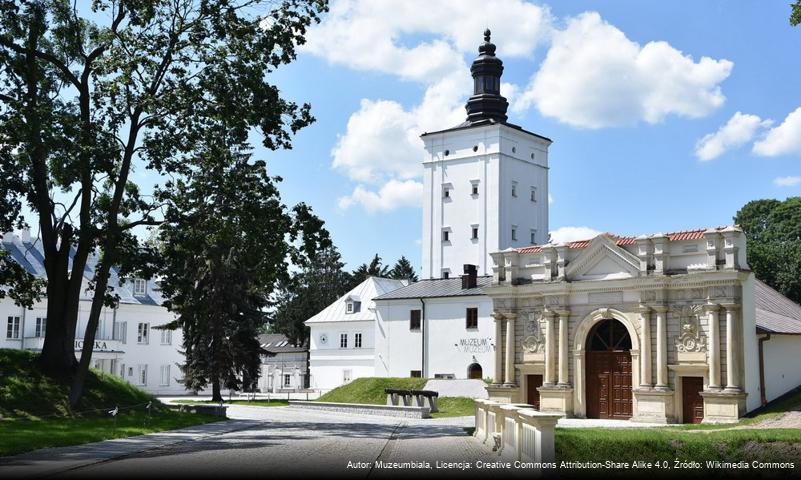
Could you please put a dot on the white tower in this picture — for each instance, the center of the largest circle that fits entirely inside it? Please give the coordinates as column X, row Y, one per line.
column 485, row 185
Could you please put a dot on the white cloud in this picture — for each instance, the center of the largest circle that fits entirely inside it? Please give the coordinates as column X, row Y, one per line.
column 594, row 77
column 571, row 234
column 786, row 181
column 394, row 194
column 739, row 130
column 782, row 140
column 369, row 34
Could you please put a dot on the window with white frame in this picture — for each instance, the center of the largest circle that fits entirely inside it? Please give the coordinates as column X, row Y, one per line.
column 287, row 380
column 474, row 232
column 357, row 340
column 533, row 236
column 446, row 235
column 120, row 331
column 533, row 194
column 141, row 377
column 514, row 189
column 12, row 331
column 165, row 375
column 514, row 233
column 474, row 188
column 166, row 337
column 143, row 333
column 343, row 340
column 41, row 326
column 347, row 375
column 140, row 286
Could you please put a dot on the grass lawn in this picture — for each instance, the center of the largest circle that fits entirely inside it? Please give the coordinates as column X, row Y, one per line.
column 252, row 403
column 455, row 407
column 22, row 435
column 35, row 413
column 370, row 390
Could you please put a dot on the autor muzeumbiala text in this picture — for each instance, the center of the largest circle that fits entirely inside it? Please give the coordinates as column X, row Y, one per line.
column 444, row 465
column 504, row 465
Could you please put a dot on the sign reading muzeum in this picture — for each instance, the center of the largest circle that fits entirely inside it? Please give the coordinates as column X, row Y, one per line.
column 658, row 328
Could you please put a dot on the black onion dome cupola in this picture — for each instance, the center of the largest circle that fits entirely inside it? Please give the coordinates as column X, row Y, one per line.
column 486, row 104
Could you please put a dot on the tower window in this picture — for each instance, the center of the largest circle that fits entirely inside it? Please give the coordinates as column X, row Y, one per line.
column 447, row 152
column 475, row 148
column 474, row 235
column 532, row 156
column 514, row 189
column 446, row 236
column 514, row 233
column 533, row 194
column 533, row 237
column 474, row 187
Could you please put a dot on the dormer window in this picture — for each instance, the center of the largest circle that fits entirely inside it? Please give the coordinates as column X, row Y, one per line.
column 139, row 287
column 353, row 305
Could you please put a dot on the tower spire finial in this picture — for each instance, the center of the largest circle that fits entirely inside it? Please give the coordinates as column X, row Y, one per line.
column 486, row 104
column 487, row 34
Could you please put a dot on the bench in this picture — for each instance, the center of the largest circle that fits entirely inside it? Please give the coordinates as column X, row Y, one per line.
column 417, row 398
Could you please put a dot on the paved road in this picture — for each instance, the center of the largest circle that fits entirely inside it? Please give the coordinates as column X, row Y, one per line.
column 284, row 441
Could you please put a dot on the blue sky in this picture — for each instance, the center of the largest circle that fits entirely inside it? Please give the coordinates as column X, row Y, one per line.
column 626, row 90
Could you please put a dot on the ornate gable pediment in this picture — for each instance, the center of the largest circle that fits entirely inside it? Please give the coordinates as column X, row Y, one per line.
column 603, row 259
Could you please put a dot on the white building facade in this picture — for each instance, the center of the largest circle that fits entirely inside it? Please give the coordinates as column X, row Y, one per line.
column 128, row 343
column 342, row 336
column 285, row 367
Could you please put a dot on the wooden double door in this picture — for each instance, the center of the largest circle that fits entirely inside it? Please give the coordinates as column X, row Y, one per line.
column 692, row 403
column 608, row 366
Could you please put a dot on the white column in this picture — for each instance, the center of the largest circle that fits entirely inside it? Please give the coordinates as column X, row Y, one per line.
column 661, row 348
column 714, row 346
column 646, row 380
column 550, row 346
column 510, row 349
column 564, row 316
column 732, row 347
column 498, row 378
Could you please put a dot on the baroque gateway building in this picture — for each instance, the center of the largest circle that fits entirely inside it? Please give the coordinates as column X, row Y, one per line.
column 662, row 328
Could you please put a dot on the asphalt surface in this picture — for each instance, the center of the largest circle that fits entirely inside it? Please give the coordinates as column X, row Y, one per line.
column 275, row 442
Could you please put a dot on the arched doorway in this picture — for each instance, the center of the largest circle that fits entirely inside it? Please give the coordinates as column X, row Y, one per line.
column 609, row 371
column 474, row 371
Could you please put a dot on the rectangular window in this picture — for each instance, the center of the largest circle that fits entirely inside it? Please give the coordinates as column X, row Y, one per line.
column 514, row 189
column 445, row 235
column 130, row 371
column 514, row 234
column 122, row 371
column 143, row 333
column 140, row 287
column 446, row 191
column 287, row 380
column 474, row 189
column 446, row 274
column 349, row 307
column 165, row 375
column 416, row 374
column 357, row 340
column 414, row 320
column 533, row 194
column 347, row 375
column 142, row 377
column 471, row 318
column 41, row 326
column 474, row 233
column 533, row 237
column 120, row 331
column 343, row 340
column 13, row 327
column 166, row 337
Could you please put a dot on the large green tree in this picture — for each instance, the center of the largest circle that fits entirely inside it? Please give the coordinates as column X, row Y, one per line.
column 773, row 232
column 91, row 92
column 403, row 270
column 226, row 243
column 795, row 15
column 316, row 285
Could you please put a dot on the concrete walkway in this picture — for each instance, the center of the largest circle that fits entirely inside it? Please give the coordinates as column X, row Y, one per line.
column 49, row 461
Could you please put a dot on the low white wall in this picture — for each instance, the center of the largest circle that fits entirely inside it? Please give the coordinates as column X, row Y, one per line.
column 365, row 409
column 782, row 364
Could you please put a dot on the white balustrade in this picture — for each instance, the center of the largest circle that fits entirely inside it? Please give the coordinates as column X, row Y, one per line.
column 526, row 434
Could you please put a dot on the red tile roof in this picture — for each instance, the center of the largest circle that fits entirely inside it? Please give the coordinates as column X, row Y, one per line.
column 621, row 241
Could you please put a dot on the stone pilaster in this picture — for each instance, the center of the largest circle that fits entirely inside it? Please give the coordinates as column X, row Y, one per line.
column 509, row 374
column 646, row 380
column 714, row 346
column 498, row 377
column 732, row 349
column 661, row 347
column 564, row 317
column 548, row 379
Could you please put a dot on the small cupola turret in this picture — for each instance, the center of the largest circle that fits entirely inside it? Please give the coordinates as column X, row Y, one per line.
column 486, row 104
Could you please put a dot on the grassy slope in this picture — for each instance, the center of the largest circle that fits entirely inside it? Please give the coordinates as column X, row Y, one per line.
column 26, row 392
column 35, row 414
column 370, row 390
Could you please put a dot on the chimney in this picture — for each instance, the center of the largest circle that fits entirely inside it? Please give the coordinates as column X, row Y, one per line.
column 469, row 279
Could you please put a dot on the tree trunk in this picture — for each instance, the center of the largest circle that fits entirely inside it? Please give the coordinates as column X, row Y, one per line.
column 101, row 276
column 216, row 396
column 58, row 351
